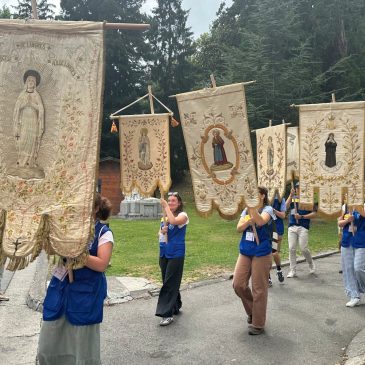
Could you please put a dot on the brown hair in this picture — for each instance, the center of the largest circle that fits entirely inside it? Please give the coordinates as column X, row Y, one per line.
column 264, row 191
column 180, row 208
column 102, row 206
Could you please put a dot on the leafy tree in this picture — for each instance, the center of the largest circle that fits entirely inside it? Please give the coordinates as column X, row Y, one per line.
column 125, row 73
column 24, row 9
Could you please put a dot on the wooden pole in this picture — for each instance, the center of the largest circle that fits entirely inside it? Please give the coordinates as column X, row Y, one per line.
column 151, row 99
column 212, row 80
column 126, row 26
column 34, row 9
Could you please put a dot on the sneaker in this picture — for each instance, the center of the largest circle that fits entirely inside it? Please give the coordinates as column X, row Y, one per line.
column 166, row 321
column 255, row 331
column 3, row 298
column 280, row 276
column 270, row 282
column 312, row 268
column 353, row 302
column 249, row 319
column 292, row 274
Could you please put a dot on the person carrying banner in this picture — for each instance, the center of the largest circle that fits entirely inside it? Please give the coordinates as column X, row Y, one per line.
column 172, row 255
column 73, row 309
column 254, row 261
column 279, row 209
column 299, row 223
column 353, row 254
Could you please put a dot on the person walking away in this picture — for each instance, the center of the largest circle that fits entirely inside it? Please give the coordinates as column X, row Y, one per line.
column 73, row 311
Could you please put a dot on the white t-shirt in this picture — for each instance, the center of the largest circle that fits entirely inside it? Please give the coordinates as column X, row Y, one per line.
column 268, row 209
column 105, row 238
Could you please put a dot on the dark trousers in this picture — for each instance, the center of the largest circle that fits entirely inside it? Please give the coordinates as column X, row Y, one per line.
column 169, row 300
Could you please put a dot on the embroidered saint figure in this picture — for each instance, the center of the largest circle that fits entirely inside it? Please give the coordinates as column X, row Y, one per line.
column 330, row 147
column 28, row 124
column 219, row 153
column 144, row 150
column 270, row 156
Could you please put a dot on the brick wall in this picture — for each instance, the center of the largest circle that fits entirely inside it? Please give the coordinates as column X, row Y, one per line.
column 109, row 173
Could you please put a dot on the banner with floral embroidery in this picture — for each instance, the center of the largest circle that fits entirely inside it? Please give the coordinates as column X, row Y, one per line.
column 332, row 155
column 292, row 153
column 218, row 144
column 271, row 159
column 145, row 153
column 51, row 81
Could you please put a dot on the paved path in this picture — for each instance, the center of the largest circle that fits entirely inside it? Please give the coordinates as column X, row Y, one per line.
column 19, row 325
column 308, row 323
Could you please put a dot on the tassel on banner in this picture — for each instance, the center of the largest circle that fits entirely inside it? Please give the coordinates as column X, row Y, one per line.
column 174, row 123
column 114, row 128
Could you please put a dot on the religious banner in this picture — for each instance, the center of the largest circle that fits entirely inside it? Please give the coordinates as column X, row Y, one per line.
column 271, row 158
column 218, row 144
column 145, row 153
column 51, row 82
column 292, row 153
column 332, row 155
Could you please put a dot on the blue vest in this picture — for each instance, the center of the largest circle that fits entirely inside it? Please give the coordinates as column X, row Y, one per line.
column 301, row 222
column 279, row 222
column 251, row 248
column 359, row 238
column 82, row 300
column 175, row 246
column 347, row 237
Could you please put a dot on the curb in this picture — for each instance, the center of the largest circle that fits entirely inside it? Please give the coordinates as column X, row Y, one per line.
column 355, row 353
column 37, row 290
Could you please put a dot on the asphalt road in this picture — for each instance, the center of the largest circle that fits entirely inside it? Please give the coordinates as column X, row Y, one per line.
column 307, row 323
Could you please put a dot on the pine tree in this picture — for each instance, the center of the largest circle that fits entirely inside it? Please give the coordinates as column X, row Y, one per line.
column 5, row 12
column 172, row 70
column 24, row 9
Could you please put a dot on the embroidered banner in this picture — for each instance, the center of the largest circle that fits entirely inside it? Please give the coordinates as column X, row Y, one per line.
column 292, row 148
column 271, row 158
column 219, row 150
column 332, row 155
column 51, row 81
column 145, row 153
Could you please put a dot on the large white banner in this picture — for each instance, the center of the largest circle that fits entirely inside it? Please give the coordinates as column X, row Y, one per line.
column 51, row 82
column 332, row 155
column 219, row 150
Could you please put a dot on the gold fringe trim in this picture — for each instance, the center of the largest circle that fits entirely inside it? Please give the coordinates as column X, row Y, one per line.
column 42, row 238
column 77, row 262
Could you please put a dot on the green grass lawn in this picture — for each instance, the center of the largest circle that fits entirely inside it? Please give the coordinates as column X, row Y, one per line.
column 211, row 245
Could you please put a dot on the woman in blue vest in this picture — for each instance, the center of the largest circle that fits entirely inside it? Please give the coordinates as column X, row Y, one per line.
column 278, row 232
column 72, row 312
column 353, row 254
column 172, row 255
column 254, row 261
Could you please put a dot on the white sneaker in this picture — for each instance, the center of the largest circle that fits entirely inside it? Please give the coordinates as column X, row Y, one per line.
column 312, row 269
column 292, row 274
column 166, row 321
column 353, row 302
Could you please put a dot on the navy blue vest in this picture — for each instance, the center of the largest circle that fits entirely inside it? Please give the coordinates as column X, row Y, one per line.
column 82, row 300
column 347, row 237
column 279, row 222
column 250, row 247
column 175, row 246
column 359, row 238
column 301, row 222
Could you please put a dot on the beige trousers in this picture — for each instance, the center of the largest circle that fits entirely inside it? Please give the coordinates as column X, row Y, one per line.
column 255, row 301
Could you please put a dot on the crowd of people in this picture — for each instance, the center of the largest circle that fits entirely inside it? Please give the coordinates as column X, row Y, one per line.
column 73, row 306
